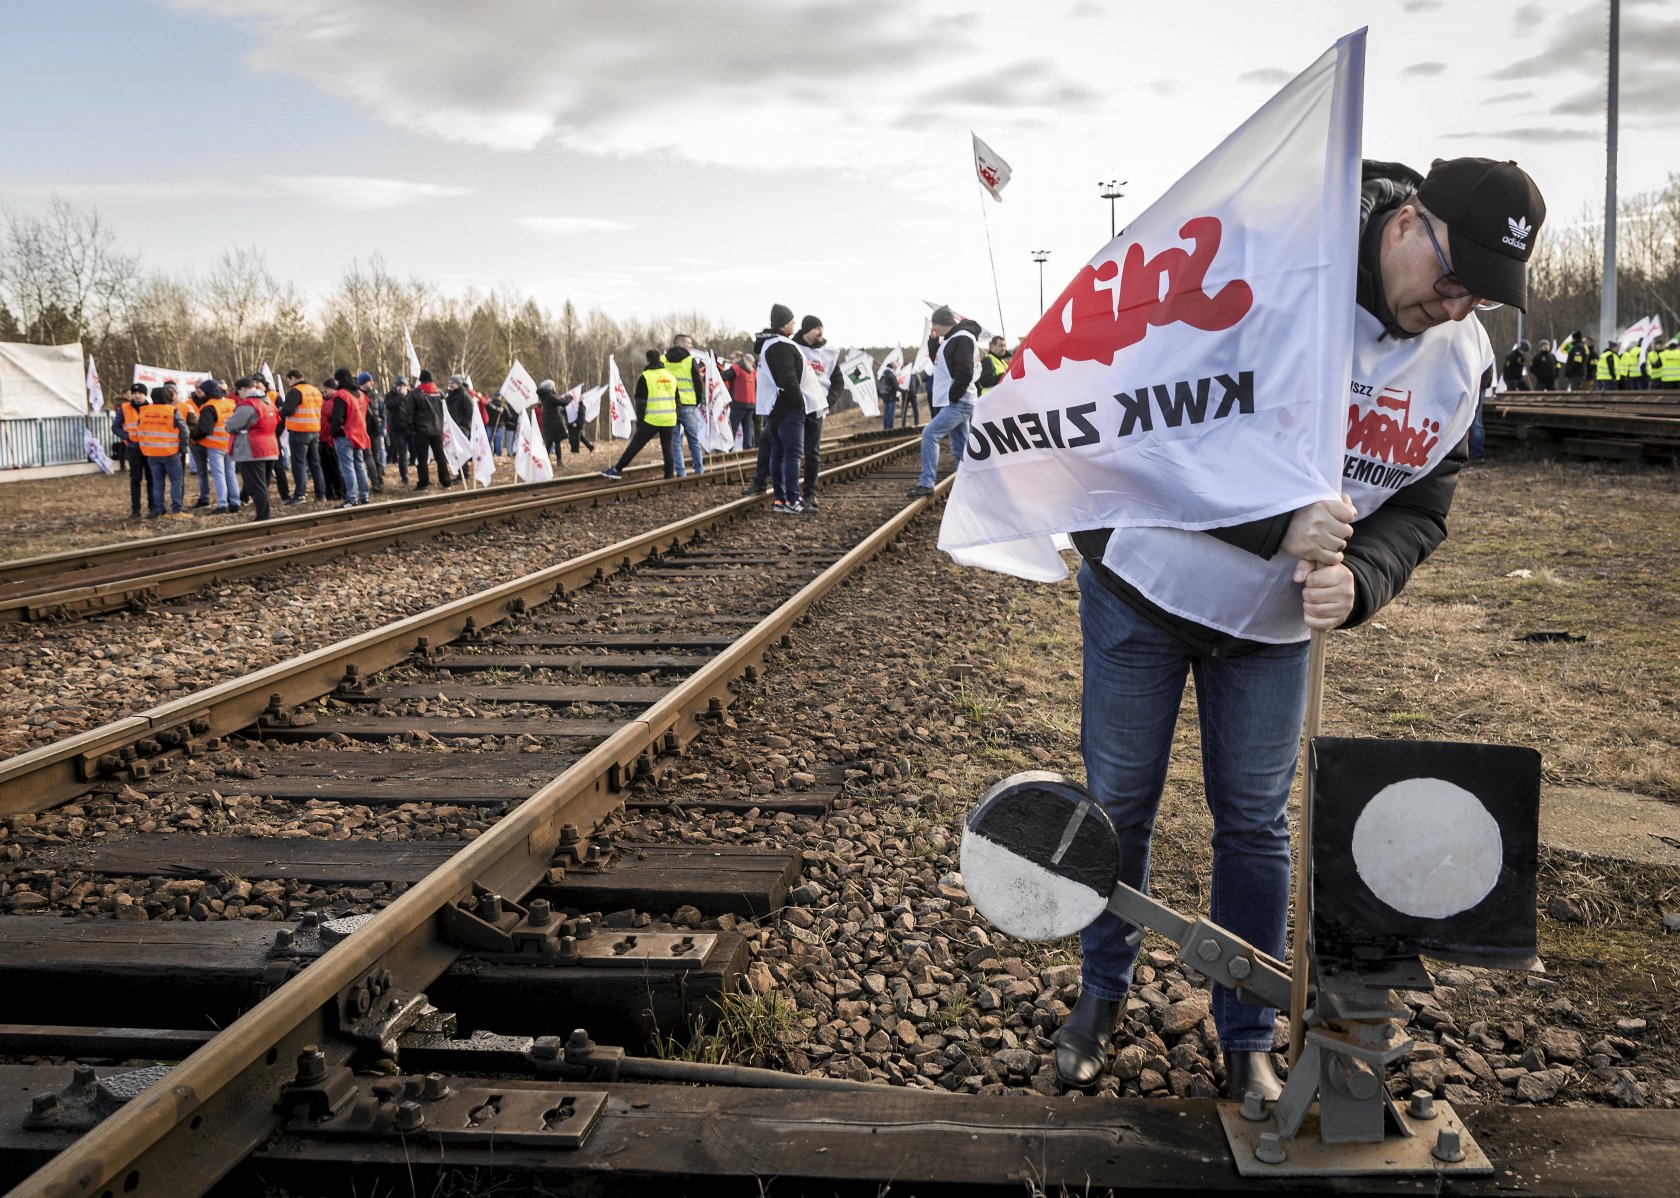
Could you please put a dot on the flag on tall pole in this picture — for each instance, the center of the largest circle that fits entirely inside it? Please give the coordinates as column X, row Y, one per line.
column 519, row 388
column 95, row 393
column 530, row 459
column 483, row 458
column 413, row 358
column 1194, row 374
column 591, row 401
column 989, row 166
column 715, row 432
column 621, row 411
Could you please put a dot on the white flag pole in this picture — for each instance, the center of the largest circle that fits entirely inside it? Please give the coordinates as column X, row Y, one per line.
column 986, row 222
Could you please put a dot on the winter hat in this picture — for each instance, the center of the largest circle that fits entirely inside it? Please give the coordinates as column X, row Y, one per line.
column 212, row 389
column 457, row 380
column 425, row 376
column 137, row 389
column 363, row 379
column 400, row 382
column 163, row 394
column 809, row 323
column 943, row 315
column 546, row 385
column 780, row 315
column 341, row 376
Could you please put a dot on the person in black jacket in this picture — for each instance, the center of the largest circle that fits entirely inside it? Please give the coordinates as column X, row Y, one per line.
column 551, row 420
column 1431, row 250
column 1515, row 369
column 1544, row 368
column 399, row 425
column 460, row 403
column 781, row 370
column 886, row 390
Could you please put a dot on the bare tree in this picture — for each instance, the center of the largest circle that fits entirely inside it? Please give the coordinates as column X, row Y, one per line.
column 63, row 275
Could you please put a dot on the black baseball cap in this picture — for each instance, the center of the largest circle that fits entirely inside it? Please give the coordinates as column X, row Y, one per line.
column 1493, row 213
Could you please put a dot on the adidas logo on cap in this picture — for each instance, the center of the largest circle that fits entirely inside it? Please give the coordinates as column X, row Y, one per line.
column 1520, row 229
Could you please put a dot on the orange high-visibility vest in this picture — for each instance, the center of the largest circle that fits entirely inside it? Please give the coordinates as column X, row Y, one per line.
column 220, row 439
column 157, row 434
column 307, row 418
column 131, row 421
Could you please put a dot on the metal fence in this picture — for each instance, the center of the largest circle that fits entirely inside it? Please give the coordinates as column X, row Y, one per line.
column 45, row 441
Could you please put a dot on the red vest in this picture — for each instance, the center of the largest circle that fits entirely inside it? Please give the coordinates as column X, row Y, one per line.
column 261, row 436
column 743, row 386
column 355, row 417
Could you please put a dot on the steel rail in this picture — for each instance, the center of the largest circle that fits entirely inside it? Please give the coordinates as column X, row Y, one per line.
column 186, row 1131
column 44, row 777
column 245, row 554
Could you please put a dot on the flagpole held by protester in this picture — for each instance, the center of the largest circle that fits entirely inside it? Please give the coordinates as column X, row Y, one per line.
column 993, row 173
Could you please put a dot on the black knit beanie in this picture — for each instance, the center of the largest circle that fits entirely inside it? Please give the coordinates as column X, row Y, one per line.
column 780, row 315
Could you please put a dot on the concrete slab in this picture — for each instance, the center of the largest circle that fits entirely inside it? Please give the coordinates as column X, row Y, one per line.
column 1610, row 823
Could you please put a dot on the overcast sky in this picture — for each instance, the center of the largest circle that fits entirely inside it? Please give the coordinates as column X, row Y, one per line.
column 647, row 156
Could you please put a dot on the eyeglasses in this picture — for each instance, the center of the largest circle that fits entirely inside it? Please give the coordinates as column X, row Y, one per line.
column 1450, row 286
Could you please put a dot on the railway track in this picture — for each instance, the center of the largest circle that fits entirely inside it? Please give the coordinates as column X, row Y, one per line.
column 138, row 573
column 1624, row 425
column 515, row 727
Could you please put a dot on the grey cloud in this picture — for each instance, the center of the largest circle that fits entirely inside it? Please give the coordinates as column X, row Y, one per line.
column 1425, row 69
column 1025, row 85
column 1526, row 17
column 1576, row 43
column 1270, row 76
column 1536, row 134
column 1085, row 10
column 1509, row 97
column 1644, row 94
column 1420, row 5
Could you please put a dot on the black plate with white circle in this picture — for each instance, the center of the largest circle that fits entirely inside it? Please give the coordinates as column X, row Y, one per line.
column 1039, row 857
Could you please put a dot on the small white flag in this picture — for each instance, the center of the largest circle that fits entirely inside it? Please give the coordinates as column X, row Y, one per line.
column 484, row 460
column 574, row 403
column 715, row 433
column 923, row 363
column 858, row 369
column 413, row 358
column 519, row 388
column 457, row 446
column 268, row 379
column 96, row 452
column 815, row 382
column 530, row 459
column 992, row 170
column 622, row 410
column 96, row 393
column 592, row 401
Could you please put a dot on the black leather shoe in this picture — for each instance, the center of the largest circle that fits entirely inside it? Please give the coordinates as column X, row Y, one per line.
column 1245, row 1071
column 1082, row 1043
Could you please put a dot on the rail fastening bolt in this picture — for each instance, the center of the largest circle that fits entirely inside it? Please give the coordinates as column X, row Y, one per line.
column 538, row 913
column 490, row 907
column 1239, row 967
column 1422, row 1105
column 1208, row 949
column 409, row 1116
column 311, row 1066
column 82, row 1077
column 1448, row 1147
column 435, row 1087
column 546, row 1048
column 1270, row 1150
column 42, row 1103
column 1254, row 1106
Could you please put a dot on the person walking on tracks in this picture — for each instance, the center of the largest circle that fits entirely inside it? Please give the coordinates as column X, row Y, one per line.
column 551, row 420
column 690, row 374
column 347, row 420
column 953, row 394
column 782, row 372
column 656, row 415
column 255, row 427
column 1431, row 251
column 301, row 407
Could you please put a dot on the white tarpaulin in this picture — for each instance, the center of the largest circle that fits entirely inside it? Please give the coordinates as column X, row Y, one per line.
column 1194, row 374
column 41, row 380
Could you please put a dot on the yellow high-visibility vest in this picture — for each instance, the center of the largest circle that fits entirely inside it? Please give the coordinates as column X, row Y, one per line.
column 661, row 410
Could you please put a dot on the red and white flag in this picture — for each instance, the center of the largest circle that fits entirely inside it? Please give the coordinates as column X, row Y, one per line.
column 1194, row 374
column 621, row 410
column 96, row 393
column 483, row 458
column 457, row 445
column 989, row 166
column 591, row 401
column 519, row 388
column 715, row 433
column 530, row 459
column 413, row 358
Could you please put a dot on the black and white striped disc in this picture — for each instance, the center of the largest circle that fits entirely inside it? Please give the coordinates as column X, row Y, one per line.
column 1039, row 857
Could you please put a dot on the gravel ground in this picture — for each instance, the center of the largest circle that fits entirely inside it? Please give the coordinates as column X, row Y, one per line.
column 920, row 684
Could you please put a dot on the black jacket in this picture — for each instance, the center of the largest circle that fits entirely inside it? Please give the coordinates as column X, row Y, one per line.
column 427, row 406
column 553, row 416
column 1516, row 370
column 786, row 364
column 461, row 405
column 1388, row 544
column 959, row 358
column 1544, row 369
column 399, row 411
column 886, row 385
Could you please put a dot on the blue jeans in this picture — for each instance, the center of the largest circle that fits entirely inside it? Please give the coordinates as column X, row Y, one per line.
column 196, row 462
column 1250, row 709
column 497, row 435
column 742, row 425
column 1478, row 437
column 161, row 469
column 351, row 470
column 950, row 421
column 306, row 464
column 688, row 427
column 889, row 409
column 786, row 435
column 224, row 478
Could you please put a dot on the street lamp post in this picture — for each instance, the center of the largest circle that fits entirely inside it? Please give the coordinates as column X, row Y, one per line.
column 1040, row 257
column 1110, row 191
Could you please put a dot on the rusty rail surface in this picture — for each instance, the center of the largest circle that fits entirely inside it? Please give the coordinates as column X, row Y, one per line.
column 87, row 581
column 1629, row 425
column 185, row 1132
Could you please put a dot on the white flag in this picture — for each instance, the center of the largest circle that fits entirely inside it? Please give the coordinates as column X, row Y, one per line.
column 814, row 384
column 413, row 358
column 622, row 410
column 1634, row 334
column 858, row 369
column 1653, row 331
column 574, row 403
column 484, row 460
column 96, row 452
column 715, row 432
column 457, row 446
column 983, row 337
column 1194, row 374
column 96, row 393
column 519, row 388
column 990, row 167
column 923, row 362
column 894, row 361
column 530, row 459
column 268, row 379
column 592, row 401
